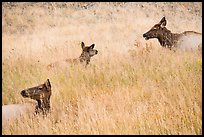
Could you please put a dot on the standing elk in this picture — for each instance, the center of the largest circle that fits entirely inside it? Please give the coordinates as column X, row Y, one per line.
column 188, row 40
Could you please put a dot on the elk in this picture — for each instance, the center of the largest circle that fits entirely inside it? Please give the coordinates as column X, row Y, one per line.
column 187, row 40
column 87, row 53
column 84, row 58
column 41, row 94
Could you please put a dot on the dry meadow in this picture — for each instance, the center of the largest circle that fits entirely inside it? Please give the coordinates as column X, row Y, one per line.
column 132, row 86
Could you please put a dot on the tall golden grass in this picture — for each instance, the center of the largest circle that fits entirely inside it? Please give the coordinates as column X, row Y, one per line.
column 132, row 86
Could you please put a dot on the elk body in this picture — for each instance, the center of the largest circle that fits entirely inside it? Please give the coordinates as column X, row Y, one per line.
column 14, row 111
column 188, row 40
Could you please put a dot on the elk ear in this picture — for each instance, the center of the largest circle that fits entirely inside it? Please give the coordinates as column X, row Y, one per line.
column 82, row 45
column 163, row 22
column 48, row 85
column 92, row 46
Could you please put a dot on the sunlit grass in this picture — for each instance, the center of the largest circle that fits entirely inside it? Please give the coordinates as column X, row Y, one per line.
column 138, row 95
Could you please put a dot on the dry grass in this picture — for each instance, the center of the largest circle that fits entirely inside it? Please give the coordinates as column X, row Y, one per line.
column 132, row 86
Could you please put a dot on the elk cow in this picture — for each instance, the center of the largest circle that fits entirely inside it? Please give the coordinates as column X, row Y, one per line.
column 87, row 53
column 84, row 58
column 188, row 40
column 41, row 94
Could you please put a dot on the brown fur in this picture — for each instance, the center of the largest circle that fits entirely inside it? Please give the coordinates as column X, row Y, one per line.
column 41, row 94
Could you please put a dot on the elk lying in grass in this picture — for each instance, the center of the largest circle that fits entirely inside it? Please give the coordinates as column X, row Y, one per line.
column 84, row 58
column 41, row 94
column 87, row 53
column 188, row 40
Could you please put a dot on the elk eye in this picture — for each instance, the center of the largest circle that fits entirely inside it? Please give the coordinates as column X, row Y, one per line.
column 40, row 88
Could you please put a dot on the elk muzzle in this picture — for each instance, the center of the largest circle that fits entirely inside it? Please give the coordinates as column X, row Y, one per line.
column 145, row 36
column 24, row 93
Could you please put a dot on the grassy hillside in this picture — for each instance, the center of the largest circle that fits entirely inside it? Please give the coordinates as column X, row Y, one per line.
column 132, row 86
